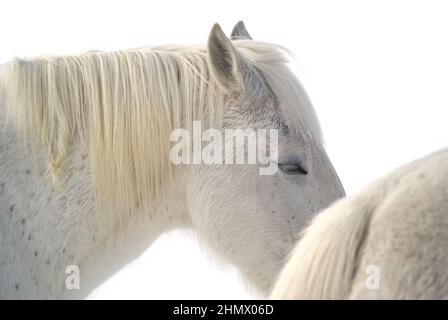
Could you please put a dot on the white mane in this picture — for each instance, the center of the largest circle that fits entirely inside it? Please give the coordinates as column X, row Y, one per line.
column 122, row 106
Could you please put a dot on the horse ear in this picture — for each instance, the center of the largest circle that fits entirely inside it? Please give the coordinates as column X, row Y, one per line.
column 240, row 32
column 229, row 67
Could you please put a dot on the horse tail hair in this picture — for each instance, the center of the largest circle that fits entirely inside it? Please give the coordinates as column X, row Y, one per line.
column 324, row 261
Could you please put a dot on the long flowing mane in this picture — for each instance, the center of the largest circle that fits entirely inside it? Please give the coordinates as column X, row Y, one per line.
column 122, row 106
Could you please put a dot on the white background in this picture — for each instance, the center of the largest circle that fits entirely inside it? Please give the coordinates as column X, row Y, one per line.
column 376, row 71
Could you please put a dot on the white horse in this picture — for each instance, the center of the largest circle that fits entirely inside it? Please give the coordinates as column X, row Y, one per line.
column 388, row 241
column 102, row 122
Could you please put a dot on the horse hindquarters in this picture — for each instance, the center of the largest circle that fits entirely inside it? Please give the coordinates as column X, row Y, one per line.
column 404, row 255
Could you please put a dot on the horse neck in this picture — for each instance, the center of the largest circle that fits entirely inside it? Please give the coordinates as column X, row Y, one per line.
column 61, row 221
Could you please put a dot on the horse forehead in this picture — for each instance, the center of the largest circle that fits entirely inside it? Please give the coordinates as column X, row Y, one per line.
column 297, row 135
column 293, row 128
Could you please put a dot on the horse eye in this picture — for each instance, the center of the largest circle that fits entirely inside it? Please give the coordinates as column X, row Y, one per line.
column 292, row 168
